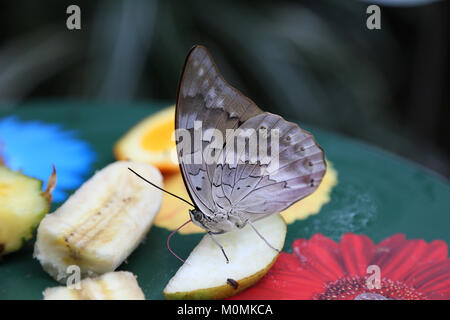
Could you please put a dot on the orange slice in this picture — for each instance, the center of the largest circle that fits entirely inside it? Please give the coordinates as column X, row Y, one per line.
column 150, row 141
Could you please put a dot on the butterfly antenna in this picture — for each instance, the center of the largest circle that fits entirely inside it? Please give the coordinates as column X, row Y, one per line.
column 170, row 236
column 174, row 195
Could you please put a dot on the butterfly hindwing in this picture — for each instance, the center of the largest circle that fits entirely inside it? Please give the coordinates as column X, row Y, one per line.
column 275, row 179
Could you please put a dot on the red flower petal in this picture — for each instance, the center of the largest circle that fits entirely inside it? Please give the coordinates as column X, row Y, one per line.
column 402, row 261
column 421, row 253
column 428, row 273
column 438, row 287
column 436, row 251
column 323, row 269
column 386, row 248
column 392, row 241
column 283, row 282
column 357, row 252
column 321, row 256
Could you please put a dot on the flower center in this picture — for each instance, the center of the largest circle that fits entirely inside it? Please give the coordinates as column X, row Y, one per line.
column 357, row 288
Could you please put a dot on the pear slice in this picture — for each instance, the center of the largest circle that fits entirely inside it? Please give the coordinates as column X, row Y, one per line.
column 206, row 275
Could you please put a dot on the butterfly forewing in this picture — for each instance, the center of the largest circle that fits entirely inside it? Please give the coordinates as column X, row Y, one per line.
column 205, row 97
column 240, row 184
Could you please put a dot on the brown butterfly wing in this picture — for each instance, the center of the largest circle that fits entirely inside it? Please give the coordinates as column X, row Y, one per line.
column 203, row 95
column 246, row 190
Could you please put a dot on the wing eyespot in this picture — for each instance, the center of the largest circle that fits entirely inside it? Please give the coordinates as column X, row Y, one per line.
column 299, row 148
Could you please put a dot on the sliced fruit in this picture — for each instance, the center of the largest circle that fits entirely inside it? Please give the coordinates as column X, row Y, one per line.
column 99, row 226
column 150, row 141
column 119, row 285
column 206, row 275
column 23, row 204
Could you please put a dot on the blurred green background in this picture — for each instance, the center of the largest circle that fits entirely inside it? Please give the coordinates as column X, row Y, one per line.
column 314, row 61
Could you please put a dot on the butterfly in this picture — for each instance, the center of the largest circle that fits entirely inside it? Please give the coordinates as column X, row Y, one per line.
column 228, row 195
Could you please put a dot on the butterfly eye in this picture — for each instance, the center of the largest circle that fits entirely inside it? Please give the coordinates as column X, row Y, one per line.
column 197, row 215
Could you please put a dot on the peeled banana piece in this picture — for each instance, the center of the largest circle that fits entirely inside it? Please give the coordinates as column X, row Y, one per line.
column 99, row 226
column 120, row 285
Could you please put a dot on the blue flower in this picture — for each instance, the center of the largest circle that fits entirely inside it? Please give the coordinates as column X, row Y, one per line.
column 34, row 146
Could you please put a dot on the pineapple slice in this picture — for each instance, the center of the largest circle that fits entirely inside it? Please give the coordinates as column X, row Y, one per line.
column 119, row 285
column 99, row 226
column 22, row 206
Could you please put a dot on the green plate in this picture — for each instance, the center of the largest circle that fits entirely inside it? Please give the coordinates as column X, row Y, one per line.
column 378, row 194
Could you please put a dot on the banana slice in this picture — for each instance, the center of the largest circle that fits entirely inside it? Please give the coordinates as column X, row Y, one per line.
column 119, row 285
column 99, row 226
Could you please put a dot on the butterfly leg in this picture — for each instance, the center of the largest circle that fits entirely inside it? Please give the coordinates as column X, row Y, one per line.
column 261, row 236
column 220, row 246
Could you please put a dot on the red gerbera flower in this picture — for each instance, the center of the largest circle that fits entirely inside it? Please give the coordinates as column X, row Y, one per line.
column 321, row 268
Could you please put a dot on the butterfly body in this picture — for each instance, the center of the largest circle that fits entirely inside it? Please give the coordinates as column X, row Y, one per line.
column 218, row 222
column 229, row 184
